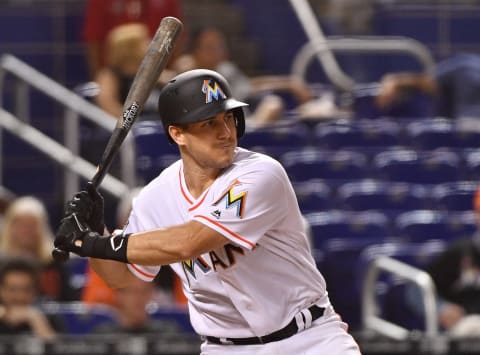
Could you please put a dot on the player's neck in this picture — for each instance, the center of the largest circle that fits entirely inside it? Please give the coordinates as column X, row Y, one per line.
column 198, row 180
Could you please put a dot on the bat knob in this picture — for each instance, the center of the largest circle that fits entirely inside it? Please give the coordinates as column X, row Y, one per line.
column 60, row 255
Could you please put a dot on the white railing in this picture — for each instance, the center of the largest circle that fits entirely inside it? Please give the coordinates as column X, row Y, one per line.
column 420, row 278
column 322, row 47
column 75, row 107
column 361, row 45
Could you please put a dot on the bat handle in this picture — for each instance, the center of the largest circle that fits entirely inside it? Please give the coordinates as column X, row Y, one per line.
column 60, row 255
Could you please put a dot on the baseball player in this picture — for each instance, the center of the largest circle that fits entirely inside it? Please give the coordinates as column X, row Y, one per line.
column 227, row 221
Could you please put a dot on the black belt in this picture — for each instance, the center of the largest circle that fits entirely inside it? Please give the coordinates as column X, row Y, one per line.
column 286, row 332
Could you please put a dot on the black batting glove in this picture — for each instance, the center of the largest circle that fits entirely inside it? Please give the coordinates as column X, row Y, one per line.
column 88, row 206
column 75, row 236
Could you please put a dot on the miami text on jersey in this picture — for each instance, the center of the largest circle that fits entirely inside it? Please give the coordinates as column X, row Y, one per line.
column 223, row 258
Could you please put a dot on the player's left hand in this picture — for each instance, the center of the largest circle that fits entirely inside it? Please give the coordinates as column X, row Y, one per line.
column 75, row 236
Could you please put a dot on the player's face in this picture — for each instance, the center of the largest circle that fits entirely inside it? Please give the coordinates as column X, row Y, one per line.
column 211, row 143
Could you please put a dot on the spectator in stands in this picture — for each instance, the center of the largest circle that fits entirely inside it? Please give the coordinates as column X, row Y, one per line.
column 456, row 273
column 102, row 16
column 26, row 232
column 18, row 295
column 209, row 50
column 131, row 311
column 6, row 198
column 126, row 46
column 454, row 85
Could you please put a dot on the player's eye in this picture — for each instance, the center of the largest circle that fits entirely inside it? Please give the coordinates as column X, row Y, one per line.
column 209, row 123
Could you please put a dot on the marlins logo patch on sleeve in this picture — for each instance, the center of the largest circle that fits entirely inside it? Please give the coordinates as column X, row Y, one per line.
column 232, row 200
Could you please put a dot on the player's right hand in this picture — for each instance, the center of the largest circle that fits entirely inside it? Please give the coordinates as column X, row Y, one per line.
column 88, row 206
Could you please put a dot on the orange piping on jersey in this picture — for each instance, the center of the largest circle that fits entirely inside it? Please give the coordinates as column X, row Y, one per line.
column 181, row 186
column 233, row 234
column 141, row 271
column 200, row 202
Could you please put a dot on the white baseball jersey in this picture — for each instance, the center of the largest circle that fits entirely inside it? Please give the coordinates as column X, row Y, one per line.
column 265, row 273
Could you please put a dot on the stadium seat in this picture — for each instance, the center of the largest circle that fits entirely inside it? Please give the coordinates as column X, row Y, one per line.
column 467, row 132
column 454, row 196
column 357, row 133
column 80, row 318
column 436, row 133
column 275, row 139
column 313, row 163
column 77, row 271
column 472, row 164
column 339, row 267
column 381, row 195
column 422, row 167
column 313, row 195
column 431, row 133
column 339, row 224
column 153, row 150
column 177, row 315
column 422, row 225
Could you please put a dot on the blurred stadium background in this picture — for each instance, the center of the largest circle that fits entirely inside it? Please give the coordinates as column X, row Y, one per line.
column 373, row 188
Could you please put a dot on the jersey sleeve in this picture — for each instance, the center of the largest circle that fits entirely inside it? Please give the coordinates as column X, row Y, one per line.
column 146, row 273
column 252, row 204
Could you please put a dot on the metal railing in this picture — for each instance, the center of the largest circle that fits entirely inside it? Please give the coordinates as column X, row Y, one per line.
column 363, row 45
column 322, row 47
column 420, row 278
column 75, row 107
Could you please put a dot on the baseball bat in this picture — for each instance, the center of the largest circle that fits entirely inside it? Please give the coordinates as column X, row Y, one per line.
column 153, row 63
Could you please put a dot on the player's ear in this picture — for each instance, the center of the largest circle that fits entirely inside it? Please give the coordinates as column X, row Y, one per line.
column 176, row 133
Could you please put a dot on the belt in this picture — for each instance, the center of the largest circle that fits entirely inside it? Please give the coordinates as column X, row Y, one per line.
column 286, row 332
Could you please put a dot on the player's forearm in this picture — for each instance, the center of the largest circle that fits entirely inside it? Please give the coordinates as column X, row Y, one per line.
column 167, row 246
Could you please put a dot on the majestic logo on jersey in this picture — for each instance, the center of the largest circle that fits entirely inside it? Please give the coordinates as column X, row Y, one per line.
column 212, row 90
column 216, row 214
column 233, row 200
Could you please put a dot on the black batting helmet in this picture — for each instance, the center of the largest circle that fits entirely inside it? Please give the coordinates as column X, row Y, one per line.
column 198, row 95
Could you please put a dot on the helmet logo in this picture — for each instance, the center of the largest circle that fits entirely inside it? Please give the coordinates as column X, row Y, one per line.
column 212, row 91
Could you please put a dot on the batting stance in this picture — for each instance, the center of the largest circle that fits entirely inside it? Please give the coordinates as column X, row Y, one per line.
column 227, row 221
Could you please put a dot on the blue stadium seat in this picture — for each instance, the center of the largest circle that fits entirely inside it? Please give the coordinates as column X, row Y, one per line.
column 312, row 163
column 276, row 139
column 431, row 133
column 381, row 195
column 415, row 105
column 80, row 318
column 422, row 167
column 77, row 271
column 472, row 164
column 358, row 133
column 177, row 315
column 467, row 132
column 339, row 267
column 313, row 195
column 454, row 196
column 153, row 150
column 422, row 225
column 339, row 224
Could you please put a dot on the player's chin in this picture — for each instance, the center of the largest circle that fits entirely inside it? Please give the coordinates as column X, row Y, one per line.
column 224, row 156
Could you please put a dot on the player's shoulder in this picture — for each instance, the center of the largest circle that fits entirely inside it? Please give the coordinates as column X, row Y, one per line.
column 250, row 160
